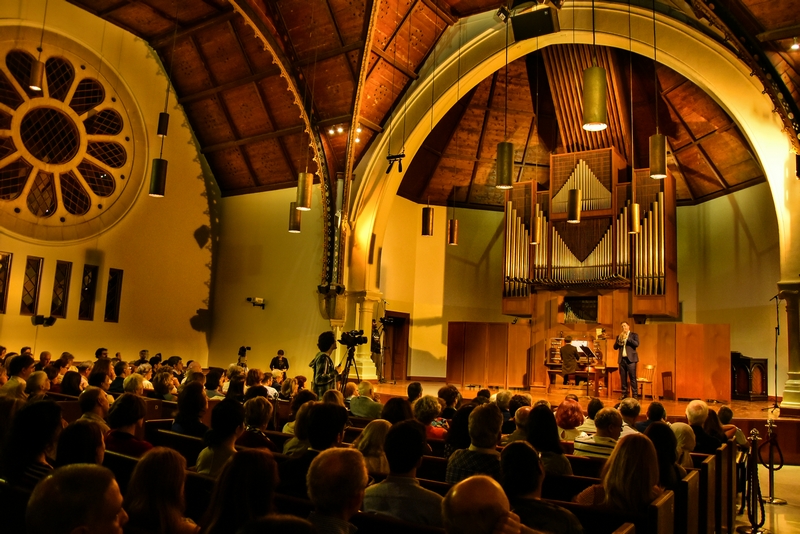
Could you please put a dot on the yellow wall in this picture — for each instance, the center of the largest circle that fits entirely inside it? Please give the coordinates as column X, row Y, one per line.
column 166, row 267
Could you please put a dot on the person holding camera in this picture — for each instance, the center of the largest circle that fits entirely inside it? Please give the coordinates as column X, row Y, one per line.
column 324, row 372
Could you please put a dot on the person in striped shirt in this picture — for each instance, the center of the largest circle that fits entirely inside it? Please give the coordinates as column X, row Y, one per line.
column 609, row 425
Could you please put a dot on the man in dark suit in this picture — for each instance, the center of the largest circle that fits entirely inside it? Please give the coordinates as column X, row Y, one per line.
column 569, row 359
column 626, row 344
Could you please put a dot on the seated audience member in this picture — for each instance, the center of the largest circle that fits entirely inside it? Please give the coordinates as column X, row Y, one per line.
column 94, row 407
column 69, row 361
column 162, row 386
column 414, row 391
column 288, row 389
column 176, row 362
column 76, row 499
column 630, row 477
column 350, row 391
column 84, row 370
column 18, row 370
column 481, row 458
column 521, row 417
column 31, row 444
column 243, row 492
column 60, row 368
column 103, row 382
column 122, row 370
column 686, row 443
column 44, row 361
column 227, row 424
column 256, row 391
column 397, row 409
column 192, row 404
column 400, row 494
column 458, row 435
column 193, row 367
column 234, row 371
column 712, row 426
column 543, row 436
column 451, row 397
column 278, row 523
column 272, row 381
column 257, row 414
column 364, row 405
column 299, row 442
column 71, row 384
column 301, row 398
column 370, row 444
column 37, row 386
column 655, row 412
column 333, row 396
column 126, row 419
column 336, row 481
column 569, row 417
column 696, row 414
column 666, row 444
column 101, row 353
column 133, row 383
column 426, row 410
column 478, row 505
column 516, row 402
column 154, row 499
column 81, row 443
column 595, row 405
column 521, row 478
column 213, row 379
column 235, row 389
column 8, row 409
column 253, row 378
column 732, row 431
column 146, row 372
column 543, row 402
column 608, row 422
column 502, row 400
column 629, row 409
column 193, row 375
column 326, row 424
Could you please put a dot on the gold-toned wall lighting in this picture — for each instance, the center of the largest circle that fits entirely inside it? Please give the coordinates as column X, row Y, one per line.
column 536, row 225
column 505, row 165
column 158, row 177
column 634, row 221
column 452, row 225
column 294, row 218
column 574, row 206
column 595, row 113
column 36, row 80
column 427, row 221
column 305, row 183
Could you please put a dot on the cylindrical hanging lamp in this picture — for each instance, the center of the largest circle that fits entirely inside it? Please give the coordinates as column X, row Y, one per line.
column 536, row 226
column 158, row 177
column 452, row 232
column 163, row 124
column 427, row 221
column 505, row 165
column 37, row 76
column 634, row 222
column 595, row 114
column 305, row 181
column 294, row 218
column 574, row 206
column 658, row 156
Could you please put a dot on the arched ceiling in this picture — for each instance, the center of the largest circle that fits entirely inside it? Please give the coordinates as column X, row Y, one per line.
column 246, row 117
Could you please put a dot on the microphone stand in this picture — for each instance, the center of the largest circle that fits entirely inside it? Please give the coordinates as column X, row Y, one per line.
column 775, row 405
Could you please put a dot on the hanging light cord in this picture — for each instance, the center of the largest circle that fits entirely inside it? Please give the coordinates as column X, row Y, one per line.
column 433, row 77
column 169, row 76
column 41, row 38
column 408, row 58
column 313, row 83
column 630, row 69
column 594, row 38
column 505, row 115
column 393, row 126
column 655, row 63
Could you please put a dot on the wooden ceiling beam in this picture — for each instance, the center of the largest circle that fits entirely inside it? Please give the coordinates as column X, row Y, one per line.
column 681, row 174
column 200, row 95
column 391, row 61
column 253, row 139
column 166, row 37
column 531, row 133
column 482, row 137
column 695, row 142
column 327, row 54
column 441, row 12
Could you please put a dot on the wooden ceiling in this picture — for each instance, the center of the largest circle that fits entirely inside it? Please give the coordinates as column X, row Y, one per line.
column 356, row 58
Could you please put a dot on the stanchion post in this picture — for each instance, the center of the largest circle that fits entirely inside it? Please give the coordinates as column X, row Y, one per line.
column 753, row 500
column 772, row 439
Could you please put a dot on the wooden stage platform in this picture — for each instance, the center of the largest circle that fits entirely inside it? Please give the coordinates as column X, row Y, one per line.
column 747, row 415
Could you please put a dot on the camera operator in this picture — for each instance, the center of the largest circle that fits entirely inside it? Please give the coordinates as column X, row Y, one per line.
column 324, row 372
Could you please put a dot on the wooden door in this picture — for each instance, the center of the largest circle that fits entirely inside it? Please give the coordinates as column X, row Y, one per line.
column 395, row 345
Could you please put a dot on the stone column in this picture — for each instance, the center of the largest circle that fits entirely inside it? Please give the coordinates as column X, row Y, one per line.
column 790, row 406
column 366, row 302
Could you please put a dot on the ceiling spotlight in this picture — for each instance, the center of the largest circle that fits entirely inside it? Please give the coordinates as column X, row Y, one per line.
column 339, row 129
column 358, row 140
column 331, row 131
column 502, row 14
column 358, row 129
column 795, row 44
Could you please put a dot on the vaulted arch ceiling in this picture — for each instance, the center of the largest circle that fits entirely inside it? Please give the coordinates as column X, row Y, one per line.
column 348, row 63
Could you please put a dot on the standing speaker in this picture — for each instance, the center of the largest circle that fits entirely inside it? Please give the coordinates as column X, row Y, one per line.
column 535, row 24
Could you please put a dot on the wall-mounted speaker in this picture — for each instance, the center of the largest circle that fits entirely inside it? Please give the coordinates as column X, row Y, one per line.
column 535, row 24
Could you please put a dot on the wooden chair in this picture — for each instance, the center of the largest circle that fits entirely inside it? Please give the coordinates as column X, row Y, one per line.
column 359, row 422
column 437, row 447
column 565, row 487
column 197, row 493
column 645, row 380
column 151, row 426
column 351, row 433
column 282, row 413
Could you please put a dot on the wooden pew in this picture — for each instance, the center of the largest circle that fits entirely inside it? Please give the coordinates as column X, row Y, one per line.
column 584, row 466
column 687, row 503
column 565, row 488
column 707, row 466
column 383, row 524
column 122, row 466
column 568, row 447
column 657, row 519
column 282, row 412
column 286, row 504
column 198, row 490
column 13, row 502
column 188, row 446
column 70, row 410
column 359, row 422
column 52, row 395
column 155, row 409
column 151, row 426
column 433, row 468
column 437, row 447
column 278, row 438
column 351, row 433
column 726, row 478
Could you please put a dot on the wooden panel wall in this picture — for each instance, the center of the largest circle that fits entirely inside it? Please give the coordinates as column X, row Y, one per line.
column 689, row 354
column 519, row 353
column 455, row 353
column 717, row 362
column 496, row 351
column 475, row 340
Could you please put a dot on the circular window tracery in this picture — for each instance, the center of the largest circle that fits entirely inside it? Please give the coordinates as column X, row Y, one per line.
column 65, row 150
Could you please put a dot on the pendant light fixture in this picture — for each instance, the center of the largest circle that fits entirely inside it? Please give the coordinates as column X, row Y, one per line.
column 634, row 222
column 427, row 220
column 452, row 224
column 536, row 224
column 158, row 172
column 574, row 206
column 595, row 113
column 36, row 80
column 305, row 183
column 658, row 143
column 305, row 179
column 505, row 150
column 294, row 218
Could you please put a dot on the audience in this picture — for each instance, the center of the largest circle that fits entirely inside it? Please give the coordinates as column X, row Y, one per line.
column 44, row 361
column 608, row 423
column 133, row 383
column 227, row 424
column 481, row 458
column 126, row 419
column 426, row 410
column 31, row 443
column 76, row 499
column 666, row 444
column 414, row 391
column 213, row 379
column 243, row 492
column 685, row 443
column 162, row 386
column 732, row 431
column 101, row 381
column 543, row 436
column 521, row 419
column 516, row 402
column 145, row 370
column 80, row 443
column 298, row 400
column 569, row 417
column 37, row 386
column 192, row 404
column 370, row 443
column 712, row 426
column 696, row 414
column 257, row 414
column 154, row 499
column 655, row 412
column 522, row 477
column 71, row 384
column 336, row 481
column 299, row 443
column 451, row 397
column 94, row 407
column 397, row 409
column 334, row 396
column 400, row 494
column 18, row 369
column 629, row 409
column 502, row 400
column 288, row 389
column 478, row 505
column 365, row 405
column 122, row 370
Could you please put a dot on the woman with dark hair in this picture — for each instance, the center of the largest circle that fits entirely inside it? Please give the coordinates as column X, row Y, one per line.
column 451, row 397
column 543, row 435
column 81, row 443
column 71, row 384
column 301, row 398
column 243, row 492
column 236, row 389
column 154, row 499
column 569, row 416
column 29, row 444
column 253, row 378
column 630, row 477
column 192, row 404
column 324, row 372
column 227, row 424
column 162, row 386
column 713, row 427
column 126, row 418
column 666, row 444
column 397, row 409
column 213, row 383
column 458, row 435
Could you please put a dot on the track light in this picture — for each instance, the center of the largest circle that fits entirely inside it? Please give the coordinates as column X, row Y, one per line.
column 795, row 45
column 392, row 158
column 595, row 114
column 340, row 129
column 163, row 124
column 331, row 131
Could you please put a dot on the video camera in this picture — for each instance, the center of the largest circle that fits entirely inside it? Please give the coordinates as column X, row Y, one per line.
column 353, row 338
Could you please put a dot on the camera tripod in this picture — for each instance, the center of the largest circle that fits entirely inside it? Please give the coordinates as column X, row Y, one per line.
column 350, row 362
